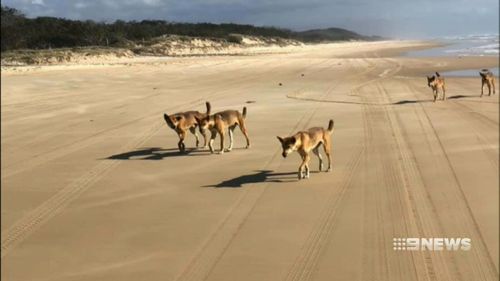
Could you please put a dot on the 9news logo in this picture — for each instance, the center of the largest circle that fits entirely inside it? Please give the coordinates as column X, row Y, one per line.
column 431, row 244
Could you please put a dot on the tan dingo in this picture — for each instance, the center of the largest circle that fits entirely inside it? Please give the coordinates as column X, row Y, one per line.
column 305, row 141
column 219, row 122
column 183, row 121
column 487, row 78
column 436, row 82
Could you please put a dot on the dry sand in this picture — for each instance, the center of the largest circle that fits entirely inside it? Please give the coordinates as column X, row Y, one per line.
column 93, row 187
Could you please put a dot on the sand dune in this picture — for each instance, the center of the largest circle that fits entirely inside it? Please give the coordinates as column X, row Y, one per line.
column 93, row 187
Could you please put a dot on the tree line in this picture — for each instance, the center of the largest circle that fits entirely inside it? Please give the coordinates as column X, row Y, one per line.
column 20, row 32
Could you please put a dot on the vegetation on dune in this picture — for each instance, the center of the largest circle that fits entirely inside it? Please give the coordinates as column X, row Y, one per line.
column 20, row 32
column 332, row 34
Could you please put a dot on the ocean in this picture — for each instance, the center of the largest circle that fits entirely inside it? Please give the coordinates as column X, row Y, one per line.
column 461, row 46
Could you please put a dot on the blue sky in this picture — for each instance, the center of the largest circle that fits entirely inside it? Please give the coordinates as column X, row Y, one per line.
column 400, row 19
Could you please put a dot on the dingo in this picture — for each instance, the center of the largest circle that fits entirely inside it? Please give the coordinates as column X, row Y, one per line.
column 487, row 78
column 435, row 82
column 305, row 141
column 219, row 122
column 183, row 121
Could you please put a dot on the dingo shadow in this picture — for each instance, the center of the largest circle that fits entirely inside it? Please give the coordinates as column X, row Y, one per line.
column 259, row 176
column 431, row 100
column 461, row 97
column 156, row 153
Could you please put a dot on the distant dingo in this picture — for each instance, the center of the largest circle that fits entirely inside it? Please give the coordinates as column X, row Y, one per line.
column 305, row 141
column 183, row 121
column 487, row 78
column 436, row 82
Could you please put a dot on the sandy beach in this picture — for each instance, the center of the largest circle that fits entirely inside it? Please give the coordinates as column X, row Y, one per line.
column 94, row 188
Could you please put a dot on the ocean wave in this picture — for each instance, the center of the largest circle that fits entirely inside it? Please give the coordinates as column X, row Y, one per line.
column 465, row 45
column 489, row 46
column 475, row 37
column 486, row 49
column 491, row 51
column 484, row 44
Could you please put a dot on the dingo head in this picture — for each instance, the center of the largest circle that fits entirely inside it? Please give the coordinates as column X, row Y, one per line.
column 430, row 80
column 288, row 144
column 173, row 120
column 485, row 74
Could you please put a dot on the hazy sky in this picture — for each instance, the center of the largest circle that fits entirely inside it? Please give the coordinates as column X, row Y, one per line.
column 395, row 18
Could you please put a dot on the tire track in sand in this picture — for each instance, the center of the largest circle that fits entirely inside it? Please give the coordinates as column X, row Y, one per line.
column 484, row 266
column 414, row 196
column 426, row 220
column 467, row 115
column 63, row 150
column 306, row 261
column 212, row 250
column 28, row 224
column 25, row 226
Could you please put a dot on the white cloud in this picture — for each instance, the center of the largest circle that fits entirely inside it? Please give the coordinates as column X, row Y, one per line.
column 38, row 2
column 152, row 2
column 81, row 5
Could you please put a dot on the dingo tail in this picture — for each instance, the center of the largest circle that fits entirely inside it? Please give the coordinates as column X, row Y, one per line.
column 330, row 126
column 209, row 107
column 244, row 112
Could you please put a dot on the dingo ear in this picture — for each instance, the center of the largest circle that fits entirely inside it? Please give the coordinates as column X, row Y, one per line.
column 169, row 121
column 179, row 118
column 482, row 74
column 437, row 74
column 280, row 139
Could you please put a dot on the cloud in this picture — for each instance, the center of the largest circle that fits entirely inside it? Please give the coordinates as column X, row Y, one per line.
column 152, row 2
column 81, row 5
